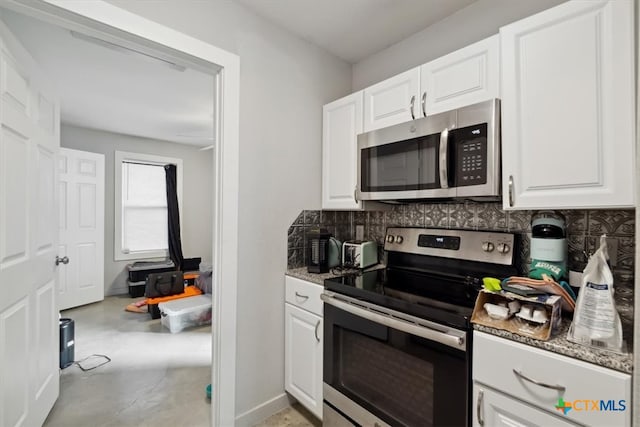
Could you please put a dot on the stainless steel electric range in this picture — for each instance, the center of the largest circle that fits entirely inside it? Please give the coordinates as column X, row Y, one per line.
column 398, row 340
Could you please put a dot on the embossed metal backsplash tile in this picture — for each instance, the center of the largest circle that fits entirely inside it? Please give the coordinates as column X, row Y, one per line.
column 584, row 228
column 297, row 237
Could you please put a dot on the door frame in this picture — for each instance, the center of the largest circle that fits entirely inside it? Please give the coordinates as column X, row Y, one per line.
column 108, row 22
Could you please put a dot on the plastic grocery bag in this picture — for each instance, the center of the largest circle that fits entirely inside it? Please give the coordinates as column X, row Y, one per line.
column 596, row 321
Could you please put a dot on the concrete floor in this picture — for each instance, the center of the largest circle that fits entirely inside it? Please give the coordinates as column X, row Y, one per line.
column 155, row 378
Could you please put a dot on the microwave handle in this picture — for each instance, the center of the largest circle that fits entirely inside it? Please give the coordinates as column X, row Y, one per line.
column 444, row 161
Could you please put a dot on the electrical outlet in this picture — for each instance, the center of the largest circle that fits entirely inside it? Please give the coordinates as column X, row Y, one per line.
column 360, row 232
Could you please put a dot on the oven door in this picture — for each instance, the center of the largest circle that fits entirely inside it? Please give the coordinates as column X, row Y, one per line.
column 385, row 367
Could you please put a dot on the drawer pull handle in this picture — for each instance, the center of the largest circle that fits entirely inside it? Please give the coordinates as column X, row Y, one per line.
column 479, row 414
column 559, row 388
column 316, row 331
column 305, row 297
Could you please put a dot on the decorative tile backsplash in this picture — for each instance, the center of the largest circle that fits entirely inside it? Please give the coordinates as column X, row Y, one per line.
column 584, row 228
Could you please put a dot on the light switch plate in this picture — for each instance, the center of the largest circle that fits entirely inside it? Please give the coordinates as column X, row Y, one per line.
column 360, row 232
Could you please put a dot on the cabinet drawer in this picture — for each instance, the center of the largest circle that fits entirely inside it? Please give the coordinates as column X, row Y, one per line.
column 494, row 409
column 304, row 294
column 599, row 396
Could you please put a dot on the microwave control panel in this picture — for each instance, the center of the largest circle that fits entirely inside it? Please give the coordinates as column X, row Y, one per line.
column 471, row 155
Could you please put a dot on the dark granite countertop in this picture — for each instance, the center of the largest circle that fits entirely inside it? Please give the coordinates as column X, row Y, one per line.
column 559, row 344
column 302, row 273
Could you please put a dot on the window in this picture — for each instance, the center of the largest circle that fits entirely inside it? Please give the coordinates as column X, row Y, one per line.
column 141, row 205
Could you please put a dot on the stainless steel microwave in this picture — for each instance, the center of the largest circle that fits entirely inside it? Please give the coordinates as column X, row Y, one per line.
column 455, row 154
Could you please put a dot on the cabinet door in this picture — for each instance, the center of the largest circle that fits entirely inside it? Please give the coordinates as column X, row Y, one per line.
column 303, row 357
column 341, row 123
column 568, row 112
column 491, row 408
column 392, row 101
column 463, row 77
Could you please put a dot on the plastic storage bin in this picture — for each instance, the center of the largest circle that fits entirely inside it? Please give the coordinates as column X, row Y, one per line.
column 136, row 289
column 186, row 312
column 138, row 271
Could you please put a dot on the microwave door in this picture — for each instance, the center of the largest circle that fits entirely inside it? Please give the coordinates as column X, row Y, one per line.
column 403, row 161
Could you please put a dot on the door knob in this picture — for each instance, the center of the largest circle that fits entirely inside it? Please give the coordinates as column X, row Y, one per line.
column 63, row 260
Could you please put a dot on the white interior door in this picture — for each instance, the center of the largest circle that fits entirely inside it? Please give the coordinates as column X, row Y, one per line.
column 81, row 189
column 29, row 141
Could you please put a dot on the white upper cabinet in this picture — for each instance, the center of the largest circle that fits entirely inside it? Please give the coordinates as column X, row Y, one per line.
column 341, row 122
column 392, row 101
column 568, row 108
column 463, row 77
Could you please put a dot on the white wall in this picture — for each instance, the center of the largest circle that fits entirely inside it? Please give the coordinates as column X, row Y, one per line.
column 197, row 203
column 284, row 82
column 473, row 23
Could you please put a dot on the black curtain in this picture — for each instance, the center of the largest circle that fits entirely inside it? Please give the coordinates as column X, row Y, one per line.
column 173, row 216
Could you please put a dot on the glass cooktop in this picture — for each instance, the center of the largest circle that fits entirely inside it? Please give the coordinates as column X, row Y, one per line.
column 440, row 299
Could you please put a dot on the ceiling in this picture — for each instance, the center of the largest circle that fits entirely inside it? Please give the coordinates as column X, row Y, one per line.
column 114, row 89
column 355, row 29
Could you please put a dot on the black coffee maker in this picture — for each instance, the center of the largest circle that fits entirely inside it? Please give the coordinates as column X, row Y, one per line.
column 318, row 250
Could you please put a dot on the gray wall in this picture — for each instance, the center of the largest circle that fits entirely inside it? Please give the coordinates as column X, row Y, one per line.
column 197, row 203
column 473, row 23
column 284, row 81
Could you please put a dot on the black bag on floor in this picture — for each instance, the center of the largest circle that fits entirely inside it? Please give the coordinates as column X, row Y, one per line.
column 164, row 284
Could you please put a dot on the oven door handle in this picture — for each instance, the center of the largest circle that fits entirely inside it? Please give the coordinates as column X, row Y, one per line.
column 396, row 320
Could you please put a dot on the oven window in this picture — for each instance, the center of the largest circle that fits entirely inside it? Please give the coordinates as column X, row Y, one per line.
column 402, row 383
column 401, row 166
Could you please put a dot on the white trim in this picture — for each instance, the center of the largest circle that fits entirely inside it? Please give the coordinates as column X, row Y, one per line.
column 635, row 379
column 119, row 158
column 91, row 17
column 259, row 413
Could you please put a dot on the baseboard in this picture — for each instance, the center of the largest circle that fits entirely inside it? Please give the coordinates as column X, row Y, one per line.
column 116, row 291
column 255, row 415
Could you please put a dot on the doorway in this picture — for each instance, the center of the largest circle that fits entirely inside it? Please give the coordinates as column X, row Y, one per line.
column 106, row 22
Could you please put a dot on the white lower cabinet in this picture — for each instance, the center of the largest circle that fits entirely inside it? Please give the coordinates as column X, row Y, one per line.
column 303, row 346
column 495, row 409
column 519, row 385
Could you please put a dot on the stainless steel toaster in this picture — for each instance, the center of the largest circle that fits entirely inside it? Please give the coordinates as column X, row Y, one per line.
column 359, row 254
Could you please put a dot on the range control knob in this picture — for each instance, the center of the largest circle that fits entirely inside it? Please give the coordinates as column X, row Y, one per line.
column 399, row 239
column 390, row 238
column 487, row 246
column 503, row 248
